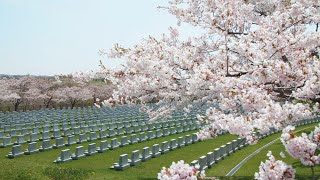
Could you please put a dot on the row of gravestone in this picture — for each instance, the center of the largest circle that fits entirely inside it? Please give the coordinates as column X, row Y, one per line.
column 73, row 123
column 101, row 127
column 44, row 118
column 33, row 137
column 46, row 144
column 220, row 153
column 157, row 150
column 11, row 122
column 122, row 128
column 92, row 149
column 99, row 112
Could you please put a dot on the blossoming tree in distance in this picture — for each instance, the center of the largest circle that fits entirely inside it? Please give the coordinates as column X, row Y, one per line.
column 257, row 63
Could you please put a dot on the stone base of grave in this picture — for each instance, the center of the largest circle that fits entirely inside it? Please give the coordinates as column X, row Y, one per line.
column 11, row 156
column 59, row 160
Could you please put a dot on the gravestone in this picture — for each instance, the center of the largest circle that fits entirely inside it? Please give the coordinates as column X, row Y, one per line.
column 173, row 130
column 32, row 148
column 216, row 154
column 56, row 134
column 142, row 137
column 111, row 133
column 92, row 136
column 45, row 135
column 146, row 155
column 158, row 133
column 20, row 139
column 16, row 151
column 120, row 131
column 133, row 139
column 82, row 138
column 76, row 131
column 71, row 140
column 155, row 150
column 203, row 163
column 150, row 135
column 33, row 137
column 164, row 147
column 79, row 153
column 188, row 140
column 114, row 144
column 135, row 158
column 66, row 132
column 124, row 141
column 210, row 159
column 64, row 156
column 229, row 148
column 194, row 138
column 92, row 149
column 173, row 145
column 180, row 142
column 59, row 143
column 122, row 164
column 128, row 130
column 103, row 147
column 6, row 141
column 223, row 151
column 46, row 145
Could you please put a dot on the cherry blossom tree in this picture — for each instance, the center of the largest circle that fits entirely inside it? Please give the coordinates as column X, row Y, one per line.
column 257, row 62
column 47, row 90
column 20, row 91
column 72, row 95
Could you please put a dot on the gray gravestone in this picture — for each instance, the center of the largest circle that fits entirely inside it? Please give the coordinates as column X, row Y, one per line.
column 64, row 156
column 103, row 147
column 155, row 150
column 123, row 163
column 145, row 154
column 79, row 153
column 16, row 151
column 133, row 139
column 173, row 144
column 32, row 148
column 114, row 144
column 164, row 147
column 46, row 145
column 124, row 141
column 92, row 149
column 59, row 143
column 135, row 158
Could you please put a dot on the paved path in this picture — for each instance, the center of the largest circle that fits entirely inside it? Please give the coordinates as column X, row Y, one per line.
column 238, row 166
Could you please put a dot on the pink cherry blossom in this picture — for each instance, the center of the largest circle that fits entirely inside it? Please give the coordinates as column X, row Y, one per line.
column 273, row 169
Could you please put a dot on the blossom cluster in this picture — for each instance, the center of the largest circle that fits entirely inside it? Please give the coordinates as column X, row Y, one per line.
column 302, row 147
column 274, row 170
column 180, row 170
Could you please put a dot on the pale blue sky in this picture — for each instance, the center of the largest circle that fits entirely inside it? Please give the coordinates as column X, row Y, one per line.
column 47, row 37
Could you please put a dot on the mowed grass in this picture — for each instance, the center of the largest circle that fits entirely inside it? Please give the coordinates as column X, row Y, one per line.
column 252, row 165
column 41, row 166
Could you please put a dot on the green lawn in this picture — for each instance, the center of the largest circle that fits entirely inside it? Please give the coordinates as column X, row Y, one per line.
column 40, row 165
